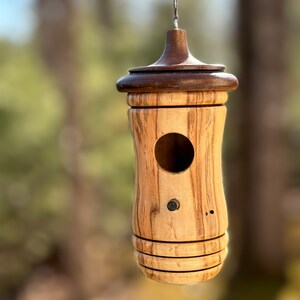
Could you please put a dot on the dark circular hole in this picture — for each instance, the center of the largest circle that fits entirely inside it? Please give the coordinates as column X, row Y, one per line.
column 212, row 212
column 174, row 152
column 173, row 205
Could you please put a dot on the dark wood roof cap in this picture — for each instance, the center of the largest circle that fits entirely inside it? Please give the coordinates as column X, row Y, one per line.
column 177, row 70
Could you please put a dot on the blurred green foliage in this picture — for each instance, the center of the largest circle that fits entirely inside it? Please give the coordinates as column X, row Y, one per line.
column 35, row 194
column 33, row 186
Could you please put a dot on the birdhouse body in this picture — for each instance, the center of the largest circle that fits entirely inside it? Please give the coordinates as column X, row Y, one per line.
column 177, row 120
column 193, row 237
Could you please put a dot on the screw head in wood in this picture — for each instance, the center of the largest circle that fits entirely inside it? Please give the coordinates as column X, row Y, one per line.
column 173, row 205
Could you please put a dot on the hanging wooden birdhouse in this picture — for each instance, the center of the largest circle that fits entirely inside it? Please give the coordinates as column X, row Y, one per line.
column 177, row 119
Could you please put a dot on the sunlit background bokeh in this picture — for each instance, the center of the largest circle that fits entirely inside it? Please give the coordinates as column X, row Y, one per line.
column 67, row 160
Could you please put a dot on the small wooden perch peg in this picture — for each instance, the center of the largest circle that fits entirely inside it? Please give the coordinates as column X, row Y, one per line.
column 177, row 120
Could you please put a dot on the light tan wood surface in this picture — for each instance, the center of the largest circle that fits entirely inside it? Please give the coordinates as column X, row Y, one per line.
column 178, row 161
column 177, row 119
column 177, row 99
column 199, row 189
column 178, row 264
column 183, row 278
column 180, row 249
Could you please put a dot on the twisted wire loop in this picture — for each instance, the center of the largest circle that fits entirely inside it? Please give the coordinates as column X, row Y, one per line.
column 175, row 19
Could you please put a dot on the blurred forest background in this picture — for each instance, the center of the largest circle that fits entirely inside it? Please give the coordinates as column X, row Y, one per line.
column 66, row 154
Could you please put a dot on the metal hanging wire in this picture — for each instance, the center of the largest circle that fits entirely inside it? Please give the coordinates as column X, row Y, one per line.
column 175, row 19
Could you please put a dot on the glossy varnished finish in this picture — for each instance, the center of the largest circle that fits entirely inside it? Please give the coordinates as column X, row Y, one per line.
column 211, row 98
column 181, row 264
column 177, row 119
column 199, row 188
column 177, row 70
column 179, row 249
column 192, row 239
column 177, row 57
column 176, row 82
column 196, row 232
column 181, row 278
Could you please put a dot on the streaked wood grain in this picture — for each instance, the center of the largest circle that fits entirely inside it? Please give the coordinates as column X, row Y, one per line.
column 181, row 278
column 199, row 189
column 180, row 249
column 179, row 264
column 188, row 245
column 177, row 99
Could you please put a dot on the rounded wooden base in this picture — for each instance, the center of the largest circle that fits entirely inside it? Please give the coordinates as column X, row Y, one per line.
column 184, row 278
column 181, row 263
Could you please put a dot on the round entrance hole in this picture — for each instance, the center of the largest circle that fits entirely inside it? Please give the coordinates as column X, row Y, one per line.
column 174, row 152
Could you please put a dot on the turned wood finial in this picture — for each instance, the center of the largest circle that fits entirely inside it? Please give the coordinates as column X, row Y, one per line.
column 177, row 56
column 177, row 53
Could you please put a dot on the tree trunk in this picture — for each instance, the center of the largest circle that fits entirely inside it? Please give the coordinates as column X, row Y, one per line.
column 106, row 17
column 261, row 184
column 57, row 43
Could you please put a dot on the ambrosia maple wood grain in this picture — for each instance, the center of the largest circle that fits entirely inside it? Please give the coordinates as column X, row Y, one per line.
column 196, row 232
column 179, row 264
column 177, row 120
column 172, row 249
column 202, row 214
column 177, row 99
column 181, row 278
